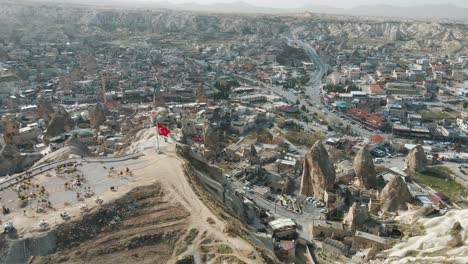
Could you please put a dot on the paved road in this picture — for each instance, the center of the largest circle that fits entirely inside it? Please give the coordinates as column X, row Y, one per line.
column 314, row 90
column 303, row 219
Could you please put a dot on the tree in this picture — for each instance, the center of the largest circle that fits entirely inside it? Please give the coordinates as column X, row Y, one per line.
column 303, row 108
column 281, row 122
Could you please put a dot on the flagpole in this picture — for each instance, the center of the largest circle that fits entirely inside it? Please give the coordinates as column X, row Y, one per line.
column 157, row 138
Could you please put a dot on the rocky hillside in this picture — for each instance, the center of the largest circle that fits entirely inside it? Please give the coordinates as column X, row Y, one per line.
column 28, row 23
column 144, row 226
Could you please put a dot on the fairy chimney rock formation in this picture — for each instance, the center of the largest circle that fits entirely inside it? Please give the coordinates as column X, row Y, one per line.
column 318, row 175
column 44, row 108
column 97, row 116
column 61, row 122
column 211, row 134
column 395, row 195
column 416, row 160
column 364, row 169
column 456, row 238
column 251, row 154
column 357, row 216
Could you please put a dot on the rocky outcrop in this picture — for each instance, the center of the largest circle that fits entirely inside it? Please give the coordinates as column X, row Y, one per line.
column 72, row 149
column 189, row 128
column 44, row 108
column 8, row 159
column 61, row 122
column 211, row 134
column 251, row 154
column 318, row 175
column 422, row 212
column 365, row 170
column 126, row 126
column 357, row 215
column 97, row 116
column 416, row 160
column 11, row 132
column 74, row 142
column 395, row 195
column 456, row 238
column 12, row 161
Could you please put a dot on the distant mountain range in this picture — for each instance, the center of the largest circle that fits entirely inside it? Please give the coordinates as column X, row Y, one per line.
column 440, row 11
column 429, row 11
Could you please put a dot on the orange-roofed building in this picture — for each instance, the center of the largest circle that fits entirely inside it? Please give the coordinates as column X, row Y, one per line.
column 376, row 121
column 359, row 113
column 112, row 105
column 377, row 89
column 376, row 139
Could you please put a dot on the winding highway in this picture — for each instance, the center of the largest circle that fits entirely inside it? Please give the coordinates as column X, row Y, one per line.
column 314, row 90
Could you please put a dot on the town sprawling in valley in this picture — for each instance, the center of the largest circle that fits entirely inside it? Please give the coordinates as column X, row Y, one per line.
column 170, row 136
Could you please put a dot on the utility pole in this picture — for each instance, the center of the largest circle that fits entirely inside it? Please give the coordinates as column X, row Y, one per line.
column 158, row 150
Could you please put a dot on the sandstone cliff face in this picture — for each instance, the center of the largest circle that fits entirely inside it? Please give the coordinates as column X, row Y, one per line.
column 416, row 160
column 395, row 195
column 357, row 216
column 364, row 169
column 318, row 174
column 97, row 115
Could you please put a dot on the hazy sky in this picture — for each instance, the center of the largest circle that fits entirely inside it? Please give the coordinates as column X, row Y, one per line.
column 335, row 3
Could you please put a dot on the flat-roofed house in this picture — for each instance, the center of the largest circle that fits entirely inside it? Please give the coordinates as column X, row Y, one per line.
column 362, row 240
column 322, row 229
column 283, row 228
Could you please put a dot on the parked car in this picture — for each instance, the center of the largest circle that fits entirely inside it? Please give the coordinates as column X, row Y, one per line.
column 378, row 160
column 318, row 204
column 293, row 151
column 324, row 211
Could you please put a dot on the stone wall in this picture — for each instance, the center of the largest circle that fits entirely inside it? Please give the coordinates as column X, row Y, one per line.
column 215, row 182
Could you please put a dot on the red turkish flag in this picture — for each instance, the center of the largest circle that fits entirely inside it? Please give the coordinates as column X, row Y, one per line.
column 163, row 131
